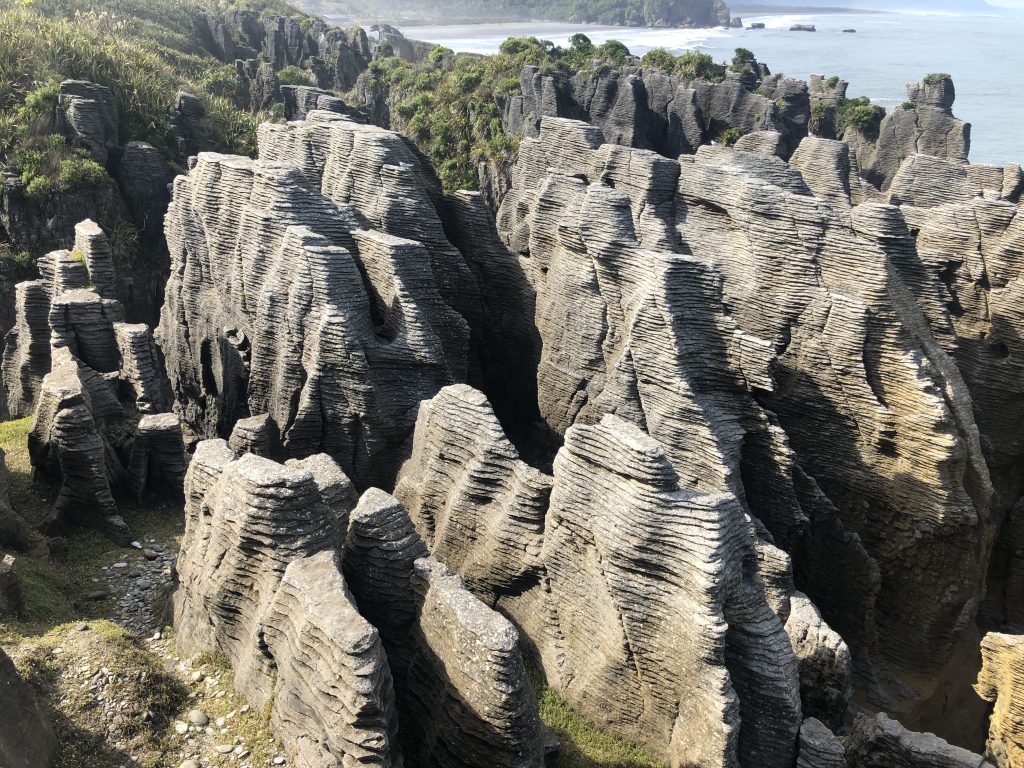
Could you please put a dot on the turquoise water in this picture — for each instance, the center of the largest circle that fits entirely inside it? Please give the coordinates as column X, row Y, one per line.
column 982, row 53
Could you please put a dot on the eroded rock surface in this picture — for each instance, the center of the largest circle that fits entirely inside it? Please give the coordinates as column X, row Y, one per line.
column 1001, row 682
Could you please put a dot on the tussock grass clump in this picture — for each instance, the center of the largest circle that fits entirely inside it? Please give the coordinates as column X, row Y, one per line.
column 145, row 51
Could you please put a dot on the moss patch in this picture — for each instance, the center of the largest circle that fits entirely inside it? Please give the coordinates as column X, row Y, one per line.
column 584, row 745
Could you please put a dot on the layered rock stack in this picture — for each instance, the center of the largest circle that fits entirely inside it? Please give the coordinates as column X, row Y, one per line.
column 73, row 362
column 750, row 473
column 330, row 302
column 263, row 581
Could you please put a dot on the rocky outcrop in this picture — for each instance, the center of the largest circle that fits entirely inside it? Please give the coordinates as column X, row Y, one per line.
column 1001, row 682
column 27, row 349
column 819, row 748
column 312, row 302
column 732, row 396
column 158, row 461
column 590, row 551
column 87, row 115
column 923, row 125
column 824, row 663
column 27, row 739
column 261, row 582
column 461, row 683
column 878, row 741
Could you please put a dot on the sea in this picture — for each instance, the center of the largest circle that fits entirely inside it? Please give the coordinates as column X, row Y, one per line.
column 984, row 54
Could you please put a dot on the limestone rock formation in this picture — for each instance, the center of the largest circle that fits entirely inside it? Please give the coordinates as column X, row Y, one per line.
column 879, row 742
column 66, row 446
column 461, row 683
column 824, row 662
column 819, row 747
column 87, row 114
column 261, row 582
column 924, row 125
column 570, row 571
column 27, row 739
column 158, row 461
column 311, row 302
column 732, row 397
column 1001, row 682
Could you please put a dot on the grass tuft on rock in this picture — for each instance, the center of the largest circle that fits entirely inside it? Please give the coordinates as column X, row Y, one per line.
column 584, row 745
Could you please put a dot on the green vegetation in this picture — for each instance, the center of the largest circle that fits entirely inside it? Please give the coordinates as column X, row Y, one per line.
column 742, row 60
column 819, row 113
column 908, row 105
column 450, row 106
column 692, row 65
column 583, row 744
column 729, row 137
column 292, row 75
column 145, row 51
column 936, row 78
column 833, row 81
column 857, row 113
column 60, row 661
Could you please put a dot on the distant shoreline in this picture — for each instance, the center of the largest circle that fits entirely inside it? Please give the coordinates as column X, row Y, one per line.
column 787, row 10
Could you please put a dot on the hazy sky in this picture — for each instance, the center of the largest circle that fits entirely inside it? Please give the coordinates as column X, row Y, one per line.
column 1008, row 3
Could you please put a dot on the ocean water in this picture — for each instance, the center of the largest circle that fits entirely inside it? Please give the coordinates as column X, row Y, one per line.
column 889, row 50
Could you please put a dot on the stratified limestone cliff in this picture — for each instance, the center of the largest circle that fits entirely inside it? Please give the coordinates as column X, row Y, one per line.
column 261, row 582
column 627, row 584
column 462, row 690
column 1001, row 682
column 805, row 399
column 924, row 125
column 297, row 291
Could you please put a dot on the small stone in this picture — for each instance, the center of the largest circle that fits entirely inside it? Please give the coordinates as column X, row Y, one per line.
column 198, row 717
column 119, row 565
column 136, row 545
column 191, row 764
column 81, row 627
column 220, row 722
column 225, row 749
column 99, row 594
column 198, row 676
column 149, row 554
column 278, row 761
column 244, row 708
column 180, row 727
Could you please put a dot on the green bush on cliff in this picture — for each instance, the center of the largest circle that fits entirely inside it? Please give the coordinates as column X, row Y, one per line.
column 145, row 51
column 48, row 165
column 936, row 78
column 857, row 113
column 450, row 106
column 692, row 65
column 292, row 75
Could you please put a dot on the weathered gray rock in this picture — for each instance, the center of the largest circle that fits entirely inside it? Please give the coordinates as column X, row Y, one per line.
column 824, row 662
column 374, row 329
column 334, row 702
column 925, row 125
column 27, row 739
column 462, row 688
column 66, row 447
column 140, row 370
column 567, row 575
column 92, row 244
column 260, row 583
column 27, row 349
column 15, row 530
column 819, row 748
column 12, row 589
column 256, row 434
column 158, row 461
column 879, row 742
column 336, row 489
column 144, row 175
column 87, row 115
